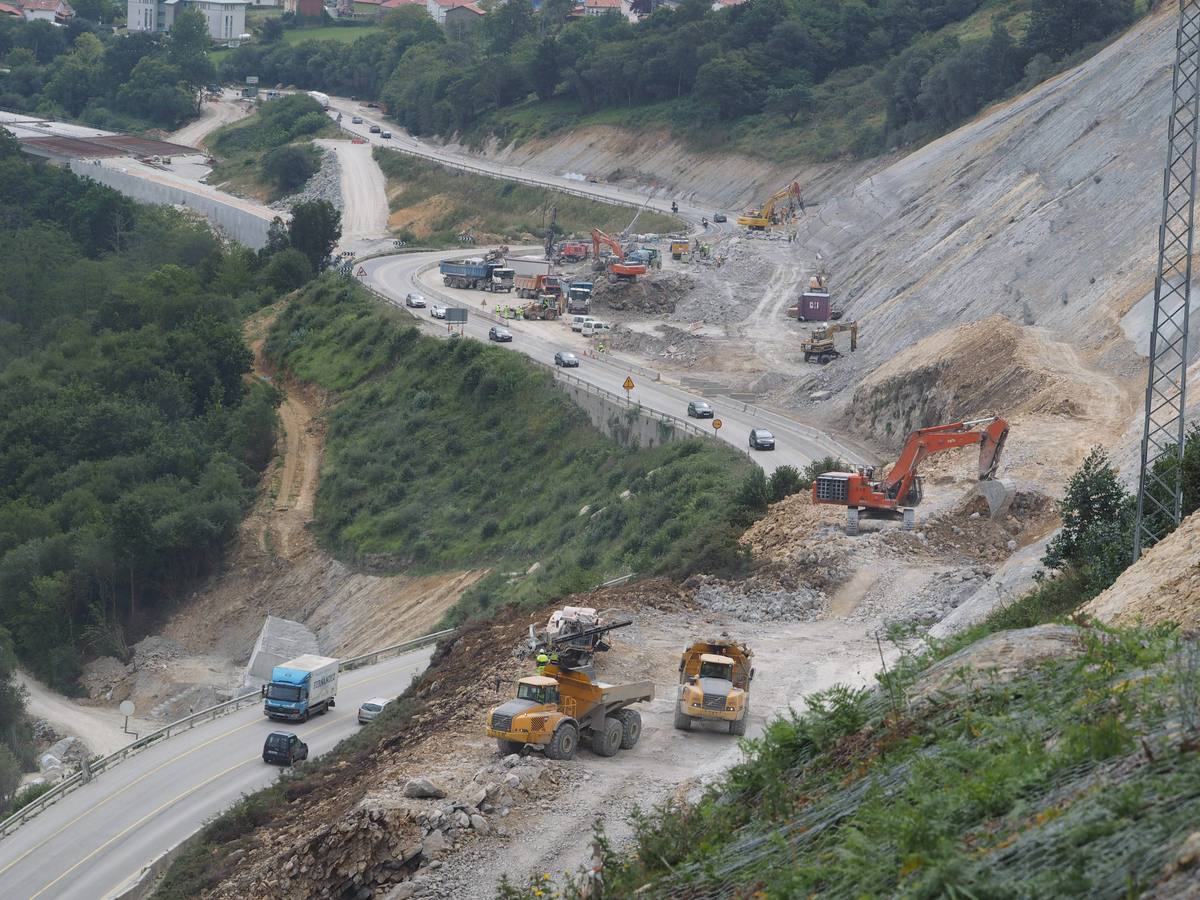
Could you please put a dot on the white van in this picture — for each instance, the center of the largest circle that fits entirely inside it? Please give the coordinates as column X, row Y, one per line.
column 595, row 327
column 577, row 322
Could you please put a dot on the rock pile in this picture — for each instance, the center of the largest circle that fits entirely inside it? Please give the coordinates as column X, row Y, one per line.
column 654, row 295
column 756, row 602
column 326, row 184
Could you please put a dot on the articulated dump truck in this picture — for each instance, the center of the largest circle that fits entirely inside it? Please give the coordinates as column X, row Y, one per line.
column 558, row 709
column 714, row 685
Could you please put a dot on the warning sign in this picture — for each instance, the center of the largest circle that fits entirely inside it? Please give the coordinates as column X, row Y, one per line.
column 361, row 271
column 628, row 385
column 716, row 423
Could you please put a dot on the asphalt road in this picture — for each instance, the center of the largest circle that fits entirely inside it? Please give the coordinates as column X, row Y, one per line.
column 796, row 444
column 100, row 836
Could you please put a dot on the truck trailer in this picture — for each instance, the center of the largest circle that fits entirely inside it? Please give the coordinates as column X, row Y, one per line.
column 477, row 274
column 300, row 688
column 529, row 265
column 533, row 286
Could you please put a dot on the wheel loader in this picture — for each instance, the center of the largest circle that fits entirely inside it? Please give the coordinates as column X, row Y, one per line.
column 560, row 708
column 714, row 685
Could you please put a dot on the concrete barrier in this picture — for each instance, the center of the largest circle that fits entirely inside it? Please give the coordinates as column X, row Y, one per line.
column 629, row 424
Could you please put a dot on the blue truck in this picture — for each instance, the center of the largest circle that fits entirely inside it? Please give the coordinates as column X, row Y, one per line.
column 300, row 688
column 477, row 274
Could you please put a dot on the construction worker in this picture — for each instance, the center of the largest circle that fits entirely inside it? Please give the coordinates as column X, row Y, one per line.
column 542, row 661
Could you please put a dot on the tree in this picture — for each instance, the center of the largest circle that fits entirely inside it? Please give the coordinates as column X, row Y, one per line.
column 155, row 91
column 272, row 31
column 789, row 101
column 314, row 230
column 1060, row 27
column 1095, row 500
column 290, row 166
column 77, row 73
column 544, row 69
column 289, row 269
column 731, row 84
column 187, row 49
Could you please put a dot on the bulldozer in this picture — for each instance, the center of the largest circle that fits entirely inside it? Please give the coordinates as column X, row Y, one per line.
column 554, row 711
column 820, row 346
column 714, row 685
column 895, row 493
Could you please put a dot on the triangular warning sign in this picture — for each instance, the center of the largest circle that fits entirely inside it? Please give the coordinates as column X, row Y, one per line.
column 361, row 271
column 628, row 385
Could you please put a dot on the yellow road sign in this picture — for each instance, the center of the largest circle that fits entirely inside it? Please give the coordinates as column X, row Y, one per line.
column 628, row 385
column 716, row 423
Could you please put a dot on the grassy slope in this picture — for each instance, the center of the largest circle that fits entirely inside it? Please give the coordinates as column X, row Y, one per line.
column 445, row 455
column 445, row 202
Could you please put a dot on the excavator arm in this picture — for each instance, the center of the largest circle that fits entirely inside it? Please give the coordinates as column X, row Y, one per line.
column 599, row 237
column 989, row 433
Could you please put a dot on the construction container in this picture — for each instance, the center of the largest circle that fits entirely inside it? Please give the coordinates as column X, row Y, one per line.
column 813, row 306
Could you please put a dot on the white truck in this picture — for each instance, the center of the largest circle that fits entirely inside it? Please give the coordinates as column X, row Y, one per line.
column 300, row 688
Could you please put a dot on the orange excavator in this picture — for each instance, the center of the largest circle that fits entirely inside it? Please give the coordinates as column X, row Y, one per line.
column 616, row 265
column 901, row 487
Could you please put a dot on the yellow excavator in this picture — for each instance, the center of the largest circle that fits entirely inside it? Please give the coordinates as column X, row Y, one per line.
column 820, row 346
column 774, row 211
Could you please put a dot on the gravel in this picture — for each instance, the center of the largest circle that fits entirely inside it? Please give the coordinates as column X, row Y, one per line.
column 326, row 184
column 753, row 603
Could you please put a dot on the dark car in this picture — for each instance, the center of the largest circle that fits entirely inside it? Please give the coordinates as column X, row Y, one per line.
column 498, row 334
column 284, row 748
column 375, row 129
column 718, row 217
column 698, row 409
column 566, row 360
column 761, row 439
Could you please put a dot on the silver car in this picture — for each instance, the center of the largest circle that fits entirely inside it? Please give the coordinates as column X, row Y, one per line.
column 371, row 709
column 416, row 301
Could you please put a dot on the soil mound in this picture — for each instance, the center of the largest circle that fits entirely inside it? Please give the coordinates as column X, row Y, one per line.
column 653, row 294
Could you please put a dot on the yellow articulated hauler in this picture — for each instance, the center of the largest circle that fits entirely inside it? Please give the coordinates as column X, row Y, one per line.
column 714, row 685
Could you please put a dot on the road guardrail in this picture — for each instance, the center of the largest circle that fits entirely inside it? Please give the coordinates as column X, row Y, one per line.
column 67, row 785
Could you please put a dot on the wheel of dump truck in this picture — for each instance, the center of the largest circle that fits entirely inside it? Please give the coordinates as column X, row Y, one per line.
column 606, row 740
column 564, row 743
column 631, row 727
column 682, row 720
column 739, row 727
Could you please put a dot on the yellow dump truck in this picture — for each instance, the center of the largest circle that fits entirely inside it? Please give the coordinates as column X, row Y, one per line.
column 679, row 248
column 714, row 685
column 557, row 710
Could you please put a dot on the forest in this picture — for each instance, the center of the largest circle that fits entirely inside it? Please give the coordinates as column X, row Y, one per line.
column 766, row 66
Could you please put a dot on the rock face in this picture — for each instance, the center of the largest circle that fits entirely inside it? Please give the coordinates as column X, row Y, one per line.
column 423, row 788
column 997, row 659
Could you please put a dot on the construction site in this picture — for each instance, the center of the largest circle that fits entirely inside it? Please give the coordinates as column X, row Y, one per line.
column 970, row 318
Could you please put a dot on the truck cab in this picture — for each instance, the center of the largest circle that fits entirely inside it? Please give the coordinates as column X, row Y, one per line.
column 714, row 685
column 502, row 279
column 300, row 688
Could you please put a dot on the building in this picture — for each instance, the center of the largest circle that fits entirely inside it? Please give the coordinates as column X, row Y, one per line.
column 10, row 12
column 397, row 4
column 461, row 16
column 226, row 18
column 57, row 11
column 601, row 7
column 305, row 7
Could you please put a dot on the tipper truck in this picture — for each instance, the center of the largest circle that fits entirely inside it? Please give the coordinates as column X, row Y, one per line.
column 714, row 685
column 476, row 274
column 557, row 709
column 579, row 297
column 300, row 688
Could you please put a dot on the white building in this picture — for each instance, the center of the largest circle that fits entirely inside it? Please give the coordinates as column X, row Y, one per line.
column 46, row 10
column 226, row 18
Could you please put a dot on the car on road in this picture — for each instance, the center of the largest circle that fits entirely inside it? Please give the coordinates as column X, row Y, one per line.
column 566, row 360
column 498, row 334
column 284, row 748
column 698, row 409
column 375, row 129
column 577, row 322
column 356, row 120
column 719, row 217
column 416, row 301
column 371, row 709
column 761, row 439
column 438, row 312
column 386, row 135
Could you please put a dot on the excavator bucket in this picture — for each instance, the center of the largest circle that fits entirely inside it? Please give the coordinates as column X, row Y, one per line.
column 990, row 449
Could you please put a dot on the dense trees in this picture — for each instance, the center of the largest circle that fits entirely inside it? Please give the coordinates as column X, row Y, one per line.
column 106, row 79
column 130, row 438
column 775, row 60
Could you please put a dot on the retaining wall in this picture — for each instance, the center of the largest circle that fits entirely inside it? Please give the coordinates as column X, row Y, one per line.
column 236, row 224
column 629, row 424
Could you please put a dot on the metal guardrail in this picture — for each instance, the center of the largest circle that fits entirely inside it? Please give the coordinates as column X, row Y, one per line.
column 21, row 816
column 857, row 457
column 648, row 412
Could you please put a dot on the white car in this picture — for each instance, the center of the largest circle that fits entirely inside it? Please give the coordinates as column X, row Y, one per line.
column 577, row 322
column 371, row 709
column 417, row 301
column 438, row 312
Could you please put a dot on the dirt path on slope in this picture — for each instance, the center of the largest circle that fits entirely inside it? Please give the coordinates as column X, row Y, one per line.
column 212, row 116
column 364, row 191
column 101, row 729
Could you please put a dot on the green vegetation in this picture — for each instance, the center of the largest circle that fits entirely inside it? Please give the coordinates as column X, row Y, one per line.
column 130, row 438
column 268, row 154
column 449, row 454
column 817, row 79
column 122, row 82
column 293, row 36
column 466, row 202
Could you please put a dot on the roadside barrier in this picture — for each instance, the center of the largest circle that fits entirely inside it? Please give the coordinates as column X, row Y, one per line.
column 92, row 769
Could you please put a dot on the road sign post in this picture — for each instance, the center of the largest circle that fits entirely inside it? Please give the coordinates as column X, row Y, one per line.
column 716, row 424
column 362, row 271
column 126, row 709
column 628, row 385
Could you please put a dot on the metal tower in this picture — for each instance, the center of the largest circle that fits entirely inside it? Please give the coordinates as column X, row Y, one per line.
column 1160, row 496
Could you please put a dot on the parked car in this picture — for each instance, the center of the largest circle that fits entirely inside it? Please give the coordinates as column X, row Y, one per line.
column 719, row 217
column 386, row 135
column 698, row 409
column 284, row 748
column 498, row 334
column 566, row 360
column 761, row 439
column 577, row 322
column 356, row 120
column 590, row 329
column 416, row 301
column 375, row 129
column 438, row 312
column 371, row 709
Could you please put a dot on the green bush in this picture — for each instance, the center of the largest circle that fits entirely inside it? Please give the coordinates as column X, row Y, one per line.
column 291, row 165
